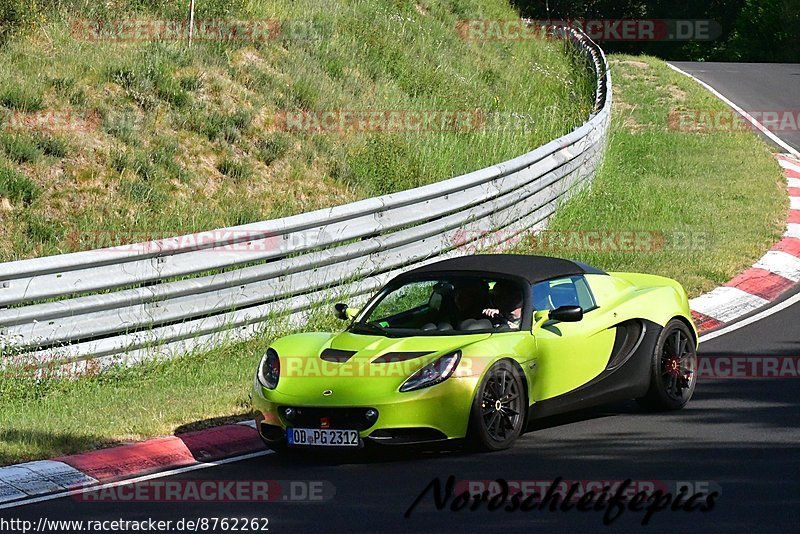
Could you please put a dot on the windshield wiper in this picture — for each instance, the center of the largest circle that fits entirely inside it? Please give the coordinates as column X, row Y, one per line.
column 370, row 327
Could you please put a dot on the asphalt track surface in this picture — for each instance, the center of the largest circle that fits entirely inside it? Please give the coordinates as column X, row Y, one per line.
column 756, row 87
column 740, row 435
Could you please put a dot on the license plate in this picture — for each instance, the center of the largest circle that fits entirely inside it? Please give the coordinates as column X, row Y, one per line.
column 324, row 437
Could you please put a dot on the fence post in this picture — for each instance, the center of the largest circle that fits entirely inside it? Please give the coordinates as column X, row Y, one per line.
column 191, row 21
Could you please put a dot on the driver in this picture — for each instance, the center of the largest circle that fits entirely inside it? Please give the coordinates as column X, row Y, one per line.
column 507, row 299
column 470, row 297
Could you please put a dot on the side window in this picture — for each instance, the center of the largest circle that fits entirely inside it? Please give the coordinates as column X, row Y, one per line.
column 405, row 299
column 585, row 298
column 572, row 291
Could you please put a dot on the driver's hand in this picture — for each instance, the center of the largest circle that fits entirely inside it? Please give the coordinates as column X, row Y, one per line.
column 491, row 312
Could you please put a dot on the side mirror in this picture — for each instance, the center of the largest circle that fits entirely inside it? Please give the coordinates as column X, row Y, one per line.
column 539, row 318
column 567, row 314
column 344, row 312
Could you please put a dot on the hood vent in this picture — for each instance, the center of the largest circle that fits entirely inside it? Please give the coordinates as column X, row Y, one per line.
column 392, row 357
column 336, row 355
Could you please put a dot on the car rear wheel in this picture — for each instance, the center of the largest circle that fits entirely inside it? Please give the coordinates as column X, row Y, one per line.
column 673, row 371
column 498, row 410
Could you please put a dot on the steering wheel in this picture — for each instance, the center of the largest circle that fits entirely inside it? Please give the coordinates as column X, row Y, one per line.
column 503, row 319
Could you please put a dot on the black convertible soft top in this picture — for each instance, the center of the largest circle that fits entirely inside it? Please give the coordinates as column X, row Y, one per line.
column 528, row 267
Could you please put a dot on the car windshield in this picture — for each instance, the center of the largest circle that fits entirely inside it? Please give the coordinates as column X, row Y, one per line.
column 442, row 306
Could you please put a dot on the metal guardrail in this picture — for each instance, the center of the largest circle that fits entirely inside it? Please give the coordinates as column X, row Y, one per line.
column 85, row 311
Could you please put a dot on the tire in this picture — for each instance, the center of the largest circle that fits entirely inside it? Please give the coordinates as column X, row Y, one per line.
column 673, row 369
column 498, row 409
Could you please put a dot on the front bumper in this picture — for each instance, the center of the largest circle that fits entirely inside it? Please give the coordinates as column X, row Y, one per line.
column 435, row 413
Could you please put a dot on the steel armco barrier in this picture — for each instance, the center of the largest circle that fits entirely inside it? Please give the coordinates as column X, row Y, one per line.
column 82, row 312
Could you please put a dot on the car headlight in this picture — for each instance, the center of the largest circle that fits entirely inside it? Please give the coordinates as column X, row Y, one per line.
column 434, row 373
column 269, row 370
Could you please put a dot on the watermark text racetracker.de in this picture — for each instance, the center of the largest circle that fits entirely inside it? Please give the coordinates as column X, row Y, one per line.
column 144, row 29
column 183, row 524
column 728, row 120
column 747, row 366
column 602, row 30
column 211, row 491
column 611, row 498
column 49, row 121
column 410, row 121
column 594, row 240
column 212, row 241
column 708, row 367
column 380, row 121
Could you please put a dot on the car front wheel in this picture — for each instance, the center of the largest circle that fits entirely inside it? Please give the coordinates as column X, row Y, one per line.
column 498, row 410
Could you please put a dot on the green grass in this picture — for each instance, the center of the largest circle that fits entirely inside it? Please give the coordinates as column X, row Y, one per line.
column 122, row 125
column 219, row 102
column 16, row 186
column 20, row 148
column 53, row 146
column 20, row 97
column 50, row 416
column 237, row 170
column 717, row 199
column 44, row 418
column 272, row 148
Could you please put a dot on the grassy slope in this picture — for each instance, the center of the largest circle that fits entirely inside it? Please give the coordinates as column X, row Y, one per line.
column 187, row 139
column 653, row 179
column 723, row 189
column 173, row 119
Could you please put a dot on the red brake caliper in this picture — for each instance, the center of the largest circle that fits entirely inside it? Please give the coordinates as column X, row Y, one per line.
column 674, row 366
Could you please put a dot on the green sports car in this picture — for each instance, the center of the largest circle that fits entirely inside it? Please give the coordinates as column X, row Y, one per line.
column 475, row 347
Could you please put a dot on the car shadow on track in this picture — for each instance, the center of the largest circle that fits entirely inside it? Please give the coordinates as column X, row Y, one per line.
column 212, row 422
column 454, row 449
